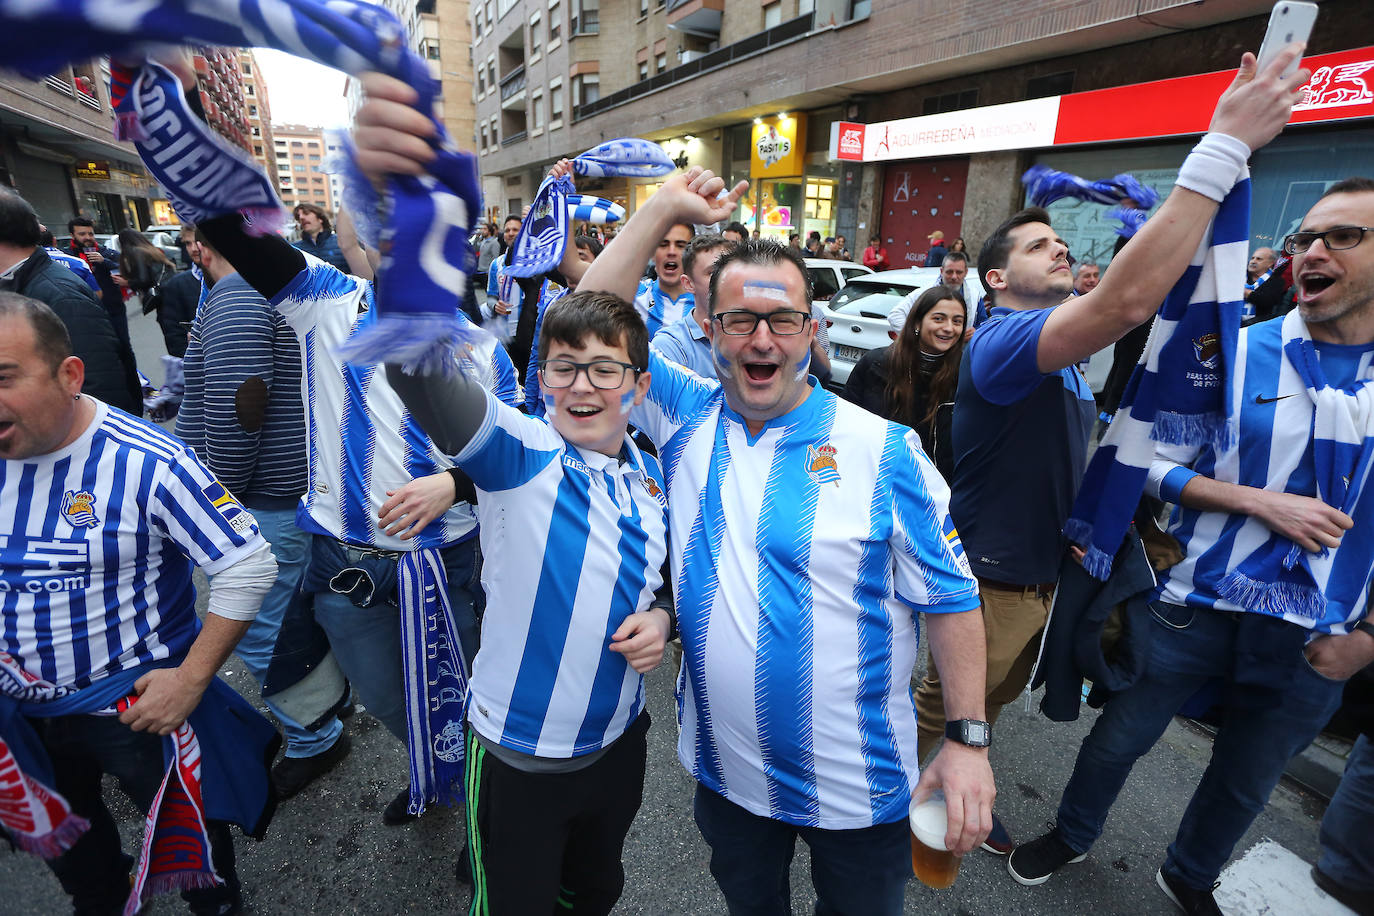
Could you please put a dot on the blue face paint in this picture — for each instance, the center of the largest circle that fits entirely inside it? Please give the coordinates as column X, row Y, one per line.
column 722, row 364
column 803, row 366
column 549, row 405
column 627, row 402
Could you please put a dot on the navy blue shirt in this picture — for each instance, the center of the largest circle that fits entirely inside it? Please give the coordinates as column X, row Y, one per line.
column 1020, row 448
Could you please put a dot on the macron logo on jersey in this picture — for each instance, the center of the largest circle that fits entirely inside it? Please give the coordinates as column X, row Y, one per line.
column 228, row 507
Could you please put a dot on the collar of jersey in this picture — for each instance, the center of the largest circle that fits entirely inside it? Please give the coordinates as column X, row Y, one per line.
column 628, row 461
column 798, row 415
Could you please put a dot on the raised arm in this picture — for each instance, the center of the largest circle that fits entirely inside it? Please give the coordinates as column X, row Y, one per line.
column 690, row 196
column 1250, row 113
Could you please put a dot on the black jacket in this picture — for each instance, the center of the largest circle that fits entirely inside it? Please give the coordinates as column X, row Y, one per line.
column 110, row 372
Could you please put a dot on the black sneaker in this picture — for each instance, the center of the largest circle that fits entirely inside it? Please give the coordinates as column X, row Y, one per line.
column 1032, row 863
column 1362, row 902
column 293, row 774
column 1190, row 900
column 999, row 841
column 398, row 810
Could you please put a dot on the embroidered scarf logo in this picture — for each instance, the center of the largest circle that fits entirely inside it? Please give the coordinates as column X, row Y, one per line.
column 821, row 465
column 1208, row 350
column 78, row 508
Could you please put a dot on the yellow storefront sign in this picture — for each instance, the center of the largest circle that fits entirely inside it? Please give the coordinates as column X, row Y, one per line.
column 778, row 148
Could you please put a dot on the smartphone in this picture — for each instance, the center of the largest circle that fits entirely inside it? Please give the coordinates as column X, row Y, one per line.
column 1290, row 21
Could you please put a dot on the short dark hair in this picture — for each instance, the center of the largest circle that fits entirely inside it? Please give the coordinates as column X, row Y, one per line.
column 691, row 230
column 78, row 221
column 614, row 321
column 1352, row 185
column 589, row 243
column 319, row 212
column 706, row 241
column 954, row 256
column 764, row 253
column 737, row 226
column 18, row 222
column 45, row 237
column 511, row 217
column 997, row 249
column 50, row 334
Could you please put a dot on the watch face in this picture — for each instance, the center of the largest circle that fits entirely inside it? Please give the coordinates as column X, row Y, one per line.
column 977, row 734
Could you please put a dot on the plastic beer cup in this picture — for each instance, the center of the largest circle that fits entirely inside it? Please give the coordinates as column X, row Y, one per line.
column 935, row 865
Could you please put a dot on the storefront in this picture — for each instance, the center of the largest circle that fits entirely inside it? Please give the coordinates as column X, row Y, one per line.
column 1145, row 129
column 793, row 185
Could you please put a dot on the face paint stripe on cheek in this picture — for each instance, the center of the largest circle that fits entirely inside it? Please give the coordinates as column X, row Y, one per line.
column 722, row 363
column 627, row 402
column 549, row 406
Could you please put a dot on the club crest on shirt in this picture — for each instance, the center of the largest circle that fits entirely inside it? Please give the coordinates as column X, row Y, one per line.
column 78, row 508
column 655, row 490
column 1208, row 350
column 821, row 465
column 238, row 518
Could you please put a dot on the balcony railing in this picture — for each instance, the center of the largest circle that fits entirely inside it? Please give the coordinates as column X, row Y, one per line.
column 757, row 43
column 513, row 83
column 61, row 85
column 517, row 137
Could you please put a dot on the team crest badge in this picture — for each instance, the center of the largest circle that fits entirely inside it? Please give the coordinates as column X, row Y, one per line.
column 654, row 489
column 78, row 508
column 821, row 465
column 1208, row 350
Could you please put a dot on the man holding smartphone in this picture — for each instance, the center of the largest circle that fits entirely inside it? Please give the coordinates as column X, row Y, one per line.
column 104, row 263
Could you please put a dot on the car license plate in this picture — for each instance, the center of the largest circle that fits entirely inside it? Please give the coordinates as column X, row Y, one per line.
column 848, row 354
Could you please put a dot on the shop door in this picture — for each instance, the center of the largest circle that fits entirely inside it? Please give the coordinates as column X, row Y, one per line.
column 919, row 197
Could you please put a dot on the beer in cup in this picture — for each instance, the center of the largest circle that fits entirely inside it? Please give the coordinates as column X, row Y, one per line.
column 934, row 864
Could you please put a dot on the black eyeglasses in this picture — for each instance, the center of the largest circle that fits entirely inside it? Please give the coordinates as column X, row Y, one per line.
column 605, row 374
column 1337, row 239
column 742, row 322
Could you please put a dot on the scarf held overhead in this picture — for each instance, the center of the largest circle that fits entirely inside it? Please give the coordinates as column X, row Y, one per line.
column 1179, row 392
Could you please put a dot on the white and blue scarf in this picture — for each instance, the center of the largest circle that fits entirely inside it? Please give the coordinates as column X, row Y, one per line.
column 543, row 235
column 38, row 36
column 1179, row 392
column 588, row 208
column 1045, row 185
column 1278, row 577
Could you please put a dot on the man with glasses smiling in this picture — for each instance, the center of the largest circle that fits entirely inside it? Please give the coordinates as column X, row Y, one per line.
column 806, row 536
column 1295, row 484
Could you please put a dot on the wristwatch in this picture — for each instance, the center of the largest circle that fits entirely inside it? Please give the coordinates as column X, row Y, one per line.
column 1364, row 625
column 973, row 732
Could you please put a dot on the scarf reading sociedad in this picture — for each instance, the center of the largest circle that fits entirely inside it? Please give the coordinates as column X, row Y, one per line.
column 1179, row 392
column 206, row 177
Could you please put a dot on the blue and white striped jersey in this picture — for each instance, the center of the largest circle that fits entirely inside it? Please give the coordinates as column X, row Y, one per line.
column 1267, row 395
column 657, row 308
column 97, row 543
column 362, row 440
column 800, row 559
column 572, row 543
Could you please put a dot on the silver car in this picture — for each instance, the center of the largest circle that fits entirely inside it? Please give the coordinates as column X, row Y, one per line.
column 857, row 314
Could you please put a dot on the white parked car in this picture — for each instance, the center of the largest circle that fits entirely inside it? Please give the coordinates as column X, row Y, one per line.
column 857, row 314
column 829, row 275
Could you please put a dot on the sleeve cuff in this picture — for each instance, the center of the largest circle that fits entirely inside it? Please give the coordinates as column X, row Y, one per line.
column 1171, row 487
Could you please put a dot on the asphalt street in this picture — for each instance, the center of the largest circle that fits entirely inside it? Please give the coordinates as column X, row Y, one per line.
column 328, row 852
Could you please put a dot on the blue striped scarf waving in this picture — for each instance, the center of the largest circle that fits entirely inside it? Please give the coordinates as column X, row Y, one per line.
column 543, row 235
column 422, row 290
column 1178, row 392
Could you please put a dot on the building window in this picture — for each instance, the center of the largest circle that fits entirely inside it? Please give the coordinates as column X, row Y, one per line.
column 555, row 22
column 299, row 168
column 643, row 70
column 555, row 104
column 252, row 111
column 295, row 143
column 1052, row 84
column 477, row 23
column 859, row 9
column 537, row 111
column 586, row 16
column 257, row 131
column 536, row 36
column 483, row 146
column 491, row 73
column 431, row 50
column 950, row 101
column 314, row 157
column 481, row 81
column 586, row 88
column 257, row 149
column 249, row 89
column 772, row 15
column 643, row 8
column 661, row 62
column 247, row 68
column 298, row 156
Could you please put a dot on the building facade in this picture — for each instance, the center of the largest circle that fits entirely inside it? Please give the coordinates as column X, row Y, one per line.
column 299, row 152
column 258, row 108
column 57, row 150
column 757, row 90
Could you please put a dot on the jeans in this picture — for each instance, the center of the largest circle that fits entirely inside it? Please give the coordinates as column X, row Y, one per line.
column 95, row 872
column 355, row 603
column 860, row 872
column 1345, row 852
column 1188, row 647
column 291, row 547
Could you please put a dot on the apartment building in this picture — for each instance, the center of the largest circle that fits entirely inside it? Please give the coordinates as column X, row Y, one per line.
column 57, row 149
column 258, row 108
column 298, row 153
column 940, row 108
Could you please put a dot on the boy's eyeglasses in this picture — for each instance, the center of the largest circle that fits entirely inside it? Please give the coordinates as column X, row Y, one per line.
column 605, row 374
